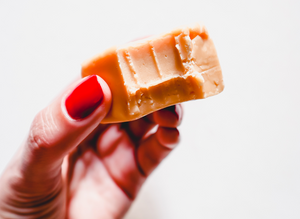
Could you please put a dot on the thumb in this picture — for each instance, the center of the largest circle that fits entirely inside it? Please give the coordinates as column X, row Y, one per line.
column 62, row 125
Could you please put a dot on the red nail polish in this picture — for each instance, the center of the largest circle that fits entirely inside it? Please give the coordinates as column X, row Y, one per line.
column 85, row 98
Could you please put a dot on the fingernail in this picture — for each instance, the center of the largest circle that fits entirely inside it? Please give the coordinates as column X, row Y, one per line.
column 169, row 137
column 85, row 98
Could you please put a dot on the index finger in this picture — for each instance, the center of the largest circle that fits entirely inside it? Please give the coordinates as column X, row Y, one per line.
column 170, row 117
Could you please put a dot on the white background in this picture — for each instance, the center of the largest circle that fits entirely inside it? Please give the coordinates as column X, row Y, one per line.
column 240, row 151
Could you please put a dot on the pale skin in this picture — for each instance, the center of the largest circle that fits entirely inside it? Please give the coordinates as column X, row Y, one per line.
column 82, row 169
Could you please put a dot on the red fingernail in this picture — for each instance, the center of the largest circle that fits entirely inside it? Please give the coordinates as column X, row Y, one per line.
column 85, row 98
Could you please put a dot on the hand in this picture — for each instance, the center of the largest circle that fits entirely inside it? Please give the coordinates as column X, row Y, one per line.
column 71, row 167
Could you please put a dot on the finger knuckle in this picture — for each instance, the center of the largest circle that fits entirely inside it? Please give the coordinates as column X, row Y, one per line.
column 40, row 132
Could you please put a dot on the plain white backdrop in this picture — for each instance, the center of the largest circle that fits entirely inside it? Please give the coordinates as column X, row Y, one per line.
column 239, row 156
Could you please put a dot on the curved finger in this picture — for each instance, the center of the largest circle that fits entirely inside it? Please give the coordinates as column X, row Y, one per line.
column 155, row 148
column 168, row 117
column 139, row 128
column 117, row 152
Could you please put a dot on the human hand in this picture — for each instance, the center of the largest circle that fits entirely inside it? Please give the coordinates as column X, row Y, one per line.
column 71, row 167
